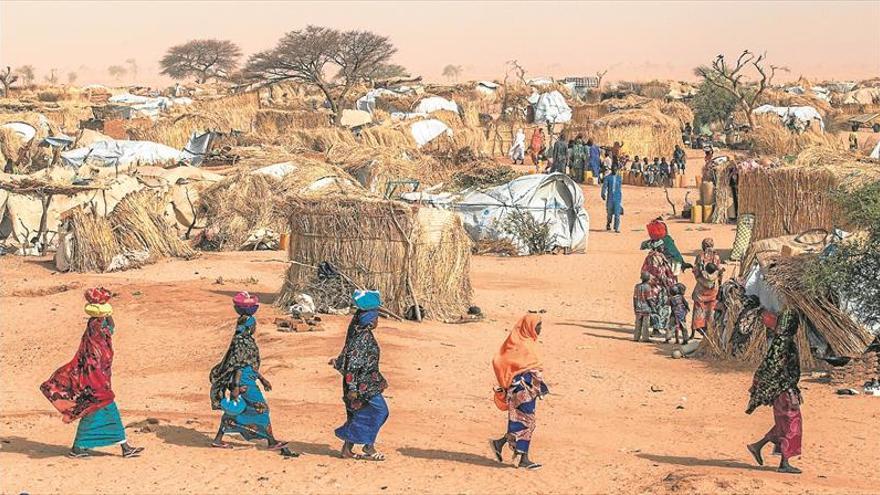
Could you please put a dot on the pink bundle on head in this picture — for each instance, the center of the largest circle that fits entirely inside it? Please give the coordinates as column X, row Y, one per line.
column 97, row 295
column 245, row 300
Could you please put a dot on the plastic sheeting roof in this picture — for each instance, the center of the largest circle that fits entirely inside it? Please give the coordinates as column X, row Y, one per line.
column 425, row 131
column 553, row 198
column 122, row 153
column 435, row 103
column 24, row 130
column 804, row 113
column 550, row 108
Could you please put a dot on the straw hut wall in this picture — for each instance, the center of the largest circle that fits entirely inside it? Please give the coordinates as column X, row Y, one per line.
column 796, row 198
column 644, row 132
column 134, row 233
column 412, row 258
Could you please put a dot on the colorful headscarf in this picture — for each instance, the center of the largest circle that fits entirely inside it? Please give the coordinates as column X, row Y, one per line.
column 98, row 295
column 708, row 243
column 242, row 351
column 519, row 352
column 781, row 370
column 82, row 386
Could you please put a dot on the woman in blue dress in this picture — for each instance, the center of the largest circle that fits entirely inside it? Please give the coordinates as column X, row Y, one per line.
column 237, row 374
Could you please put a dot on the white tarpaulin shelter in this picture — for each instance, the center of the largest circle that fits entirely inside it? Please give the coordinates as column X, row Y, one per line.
column 550, row 108
column 553, row 198
column 367, row 103
column 487, row 87
column 122, row 154
column 436, row 103
column 876, row 152
column 425, row 131
column 802, row 114
column 278, row 170
column 25, row 131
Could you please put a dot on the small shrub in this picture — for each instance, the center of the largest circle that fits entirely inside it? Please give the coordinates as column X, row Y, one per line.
column 48, row 96
column 528, row 231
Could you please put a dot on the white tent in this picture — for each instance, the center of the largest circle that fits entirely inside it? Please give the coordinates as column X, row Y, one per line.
column 122, row 154
column 802, row 114
column 553, row 198
column 487, row 87
column 550, row 108
column 436, row 103
column 425, row 131
column 876, row 152
column 25, row 131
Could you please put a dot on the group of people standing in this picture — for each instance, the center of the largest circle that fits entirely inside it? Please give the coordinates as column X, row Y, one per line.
column 659, row 301
column 81, row 389
column 574, row 156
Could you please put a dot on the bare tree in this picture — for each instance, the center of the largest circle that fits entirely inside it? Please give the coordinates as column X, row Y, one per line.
column 308, row 55
column 117, row 71
column 72, row 77
column 202, row 59
column 732, row 80
column 27, row 74
column 7, row 78
column 452, row 72
column 599, row 76
column 52, row 77
column 132, row 68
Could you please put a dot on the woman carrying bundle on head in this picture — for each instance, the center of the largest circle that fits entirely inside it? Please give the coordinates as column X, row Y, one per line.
column 245, row 410
column 362, row 382
column 518, row 371
column 776, row 384
column 81, row 388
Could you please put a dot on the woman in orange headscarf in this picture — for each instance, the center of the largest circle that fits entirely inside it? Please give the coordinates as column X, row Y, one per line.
column 520, row 384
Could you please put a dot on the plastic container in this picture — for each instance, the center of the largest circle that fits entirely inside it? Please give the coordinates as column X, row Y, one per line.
column 682, row 181
column 707, row 213
column 707, row 193
column 697, row 214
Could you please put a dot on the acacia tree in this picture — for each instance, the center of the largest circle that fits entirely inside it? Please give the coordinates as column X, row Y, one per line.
column 52, row 77
column 309, row 55
column 7, row 78
column 385, row 72
column 72, row 77
column 712, row 104
column 27, row 74
column 452, row 72
column 201, row 59
column 732, row 79
column 116, row 71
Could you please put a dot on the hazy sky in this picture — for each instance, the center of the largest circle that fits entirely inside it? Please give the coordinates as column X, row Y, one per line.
column 634, row 40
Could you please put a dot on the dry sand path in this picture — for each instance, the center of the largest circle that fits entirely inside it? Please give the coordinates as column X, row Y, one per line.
column 601, row 430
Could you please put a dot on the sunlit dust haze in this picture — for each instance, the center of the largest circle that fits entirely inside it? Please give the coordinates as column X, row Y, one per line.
column 632, row 40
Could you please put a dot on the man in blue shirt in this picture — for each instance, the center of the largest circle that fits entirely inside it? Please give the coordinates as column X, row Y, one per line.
column 613, row 195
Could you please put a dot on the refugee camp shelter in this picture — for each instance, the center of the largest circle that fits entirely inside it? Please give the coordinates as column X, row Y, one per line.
column 553, row 198
column 800, row 114
column 416, row 257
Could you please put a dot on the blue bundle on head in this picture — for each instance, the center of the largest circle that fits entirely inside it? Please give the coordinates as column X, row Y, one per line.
column 366, row 299
column 246, row 311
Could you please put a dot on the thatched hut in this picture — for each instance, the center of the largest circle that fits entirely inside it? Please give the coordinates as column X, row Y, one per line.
column 644, row 131
column 417, row 258
column 252, row 199
column 824, row 329
column 799, row 197
column 136, row 232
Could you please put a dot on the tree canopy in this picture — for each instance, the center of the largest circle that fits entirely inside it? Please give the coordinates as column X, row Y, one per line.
column 201, row 59
column 712, row 104
column 332, row 61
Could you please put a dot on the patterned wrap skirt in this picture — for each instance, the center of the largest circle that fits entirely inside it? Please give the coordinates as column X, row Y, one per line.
column 362, row 426
column 253, row 422
column 522, row 399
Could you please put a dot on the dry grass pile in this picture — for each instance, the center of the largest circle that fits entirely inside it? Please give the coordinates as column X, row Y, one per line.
column 414, row 260
column 244, row 202
column 482, row 173
column 796, row 198
column 741, row 334
column 272, row 122
column 225, row 114
column 771, row 137
column 27, row 155
column 134, row 233
column 374, row 168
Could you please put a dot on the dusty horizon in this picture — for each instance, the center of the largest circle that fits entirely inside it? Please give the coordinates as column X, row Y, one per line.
column 632, row 40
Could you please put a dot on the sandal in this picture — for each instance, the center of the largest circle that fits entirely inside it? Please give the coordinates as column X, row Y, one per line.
column 756, row 453
column 289, row 453
column 278, row 446
column 132, row 452
column 221, row 445
column 78, row 454
column 531, row 466
column 375, row 456
column 499, row 456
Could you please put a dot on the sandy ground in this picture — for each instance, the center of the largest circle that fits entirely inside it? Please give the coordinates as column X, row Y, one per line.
column 602, row 429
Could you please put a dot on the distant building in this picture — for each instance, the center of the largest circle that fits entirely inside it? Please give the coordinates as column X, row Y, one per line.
column 588, row 82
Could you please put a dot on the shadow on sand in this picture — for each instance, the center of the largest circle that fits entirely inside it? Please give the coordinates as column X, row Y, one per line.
column 445, row 455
